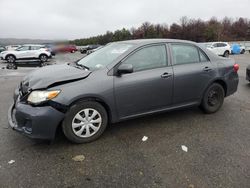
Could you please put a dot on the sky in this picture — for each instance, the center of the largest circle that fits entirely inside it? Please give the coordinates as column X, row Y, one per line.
column 72, row 19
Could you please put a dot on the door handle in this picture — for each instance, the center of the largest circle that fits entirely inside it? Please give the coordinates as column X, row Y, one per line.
column 207, row 69
column 166, row 75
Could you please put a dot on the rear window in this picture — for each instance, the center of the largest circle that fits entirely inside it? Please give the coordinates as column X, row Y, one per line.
column 185, row 54
column 35, row 47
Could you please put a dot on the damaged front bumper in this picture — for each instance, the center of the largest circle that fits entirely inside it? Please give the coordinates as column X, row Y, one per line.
column 34, row 122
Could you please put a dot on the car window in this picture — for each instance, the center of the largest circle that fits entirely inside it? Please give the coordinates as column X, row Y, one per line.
column 215, row 45
column 35, row 47
column 148, row 58
column 23, row 48
column 221, row 45
column 203, row 57
column 185, row 54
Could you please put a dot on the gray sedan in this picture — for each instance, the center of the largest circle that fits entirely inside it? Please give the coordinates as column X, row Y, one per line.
column 123, row 80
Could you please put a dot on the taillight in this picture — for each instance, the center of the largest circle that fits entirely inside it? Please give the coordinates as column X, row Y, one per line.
column 236, row 67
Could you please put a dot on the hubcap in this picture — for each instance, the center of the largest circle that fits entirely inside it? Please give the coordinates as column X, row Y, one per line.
column 86, row 123
column 213, row 98
column 11, row 59
column 43, row 58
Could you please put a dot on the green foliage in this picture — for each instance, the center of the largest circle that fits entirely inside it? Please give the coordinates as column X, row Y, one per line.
column 189, row 29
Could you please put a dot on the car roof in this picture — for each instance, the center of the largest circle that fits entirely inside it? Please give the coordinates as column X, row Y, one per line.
column 151, row 41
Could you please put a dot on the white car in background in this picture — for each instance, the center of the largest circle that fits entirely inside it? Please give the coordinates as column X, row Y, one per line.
column 219, row 48
column 26, row 52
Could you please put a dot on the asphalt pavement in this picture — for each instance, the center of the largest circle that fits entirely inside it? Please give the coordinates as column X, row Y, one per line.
column 218, row 146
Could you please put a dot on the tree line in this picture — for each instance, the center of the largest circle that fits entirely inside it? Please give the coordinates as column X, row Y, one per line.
column 197, row 30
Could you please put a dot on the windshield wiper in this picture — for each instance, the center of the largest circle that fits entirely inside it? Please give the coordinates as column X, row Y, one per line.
column 83, row 66
column 80, row 65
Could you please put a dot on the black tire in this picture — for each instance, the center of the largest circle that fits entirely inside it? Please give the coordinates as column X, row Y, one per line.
column 10, row 58
column 73, row 51
column 242, row 51
column 43, row 58
column 213, row 98
column 70, row 117
column 226, row 54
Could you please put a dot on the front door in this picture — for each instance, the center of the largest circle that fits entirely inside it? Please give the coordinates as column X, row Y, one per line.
column 149, row 87
column 23, row 52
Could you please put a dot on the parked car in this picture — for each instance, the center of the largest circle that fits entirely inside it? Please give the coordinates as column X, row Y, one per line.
column 12, row 47
column 26, row 52
column 93, row 50
column 248, row 73
column 219, row 48
column 242, row 49
column 123, row 80
column 66, row 48
column 85, row 49
column 2, row 48
column 51, row 48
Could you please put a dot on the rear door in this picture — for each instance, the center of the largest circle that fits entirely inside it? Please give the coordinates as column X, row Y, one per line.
column 149, row 87
column 34, row 51
column 193, row 71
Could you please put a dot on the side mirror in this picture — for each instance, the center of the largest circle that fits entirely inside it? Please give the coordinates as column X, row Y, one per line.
column 125, row 69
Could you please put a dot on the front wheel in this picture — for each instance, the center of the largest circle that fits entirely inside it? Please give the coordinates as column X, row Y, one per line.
column 11, row 59
column 85, row 122
column 213, row 98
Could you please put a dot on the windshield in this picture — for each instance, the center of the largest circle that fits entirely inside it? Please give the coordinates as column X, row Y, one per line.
column 104, row 56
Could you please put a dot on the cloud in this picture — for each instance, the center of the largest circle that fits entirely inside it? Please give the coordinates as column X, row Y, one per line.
column 70, row 19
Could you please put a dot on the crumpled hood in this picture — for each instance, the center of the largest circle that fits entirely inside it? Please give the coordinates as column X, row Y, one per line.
column 54, row 74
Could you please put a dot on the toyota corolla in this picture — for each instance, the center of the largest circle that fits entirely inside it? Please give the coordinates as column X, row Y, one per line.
column 123, row 80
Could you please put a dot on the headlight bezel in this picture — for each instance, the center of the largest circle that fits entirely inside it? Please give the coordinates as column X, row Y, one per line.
column 37, row 97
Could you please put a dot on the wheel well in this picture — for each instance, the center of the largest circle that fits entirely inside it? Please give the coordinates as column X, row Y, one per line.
column 106, row 107
column 10, row 55
column 43, row 54
column 223, row 84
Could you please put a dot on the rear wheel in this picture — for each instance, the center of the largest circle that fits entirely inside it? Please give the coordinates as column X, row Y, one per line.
column 11, row 59
column 73, row 51
column 213, row 98
column 85, row 122
column 43, row 58
column 226, row 54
